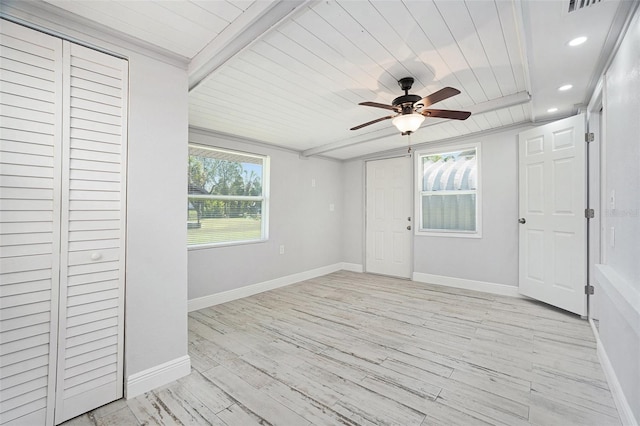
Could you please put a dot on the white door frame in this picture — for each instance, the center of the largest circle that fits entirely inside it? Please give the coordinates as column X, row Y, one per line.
column 410, row 213
column 595, row 199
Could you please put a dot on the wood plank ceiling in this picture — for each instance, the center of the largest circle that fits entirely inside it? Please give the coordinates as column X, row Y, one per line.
column 183, row 27
column 299, row 85
column 293, row 77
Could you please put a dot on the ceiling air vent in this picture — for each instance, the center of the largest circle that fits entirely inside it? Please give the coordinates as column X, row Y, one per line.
column 579, row 4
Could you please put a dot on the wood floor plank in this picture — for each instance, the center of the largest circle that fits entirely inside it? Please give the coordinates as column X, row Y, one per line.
column 149, row 410
column 124, row 416
column 236, row 415
column 364, row 406
column 201, row 358
column 443, row 415
column 307, row 405
column 206, row 392
column 547, row 411
column 185, row 406
column 482, row 406
column 253, row 400
column 358, row 349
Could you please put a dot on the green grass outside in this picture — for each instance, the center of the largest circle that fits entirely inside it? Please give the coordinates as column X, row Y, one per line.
column 221, row 230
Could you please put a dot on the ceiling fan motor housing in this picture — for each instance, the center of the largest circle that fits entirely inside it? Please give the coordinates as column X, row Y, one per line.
column 406, row 101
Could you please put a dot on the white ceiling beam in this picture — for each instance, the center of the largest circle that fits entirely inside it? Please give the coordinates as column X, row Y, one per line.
column 253, row 24
column 481, row 108
column 500, row 103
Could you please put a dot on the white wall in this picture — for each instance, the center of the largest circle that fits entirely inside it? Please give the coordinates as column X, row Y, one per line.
column 299, row 219
column 494, row 257
column 156, row 263
column 156, row 281
column 490, row 259
column 619, row 305
column 353, row 217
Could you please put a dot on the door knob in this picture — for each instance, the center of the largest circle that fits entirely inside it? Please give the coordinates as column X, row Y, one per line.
column 408, row 227
column 522, row 220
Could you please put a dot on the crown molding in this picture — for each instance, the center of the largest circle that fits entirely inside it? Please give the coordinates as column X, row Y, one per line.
column 60, row 23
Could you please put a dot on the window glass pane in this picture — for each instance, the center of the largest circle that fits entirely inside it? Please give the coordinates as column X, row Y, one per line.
column 448, row 185
column 449, row 171
column 221, row 173
column 449, row 212
column 217, row 221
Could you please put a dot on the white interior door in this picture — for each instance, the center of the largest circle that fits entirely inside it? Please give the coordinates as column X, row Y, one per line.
column 91, row 332
column 63, row 128
column 552, row 171
column 30, row 135
column 388, row 217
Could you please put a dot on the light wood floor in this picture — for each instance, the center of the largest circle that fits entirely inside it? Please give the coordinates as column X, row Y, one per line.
column 352, row 348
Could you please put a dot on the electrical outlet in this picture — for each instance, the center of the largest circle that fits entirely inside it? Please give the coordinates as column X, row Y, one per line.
column 332, row 207
column 313, row 183
column 282, row 249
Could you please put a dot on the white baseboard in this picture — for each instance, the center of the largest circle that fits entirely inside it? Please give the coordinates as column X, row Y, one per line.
column 352, row 267
column 154, row 377
column 250, row 290
column 624, row 409
column 623, row 299
column 486, row 287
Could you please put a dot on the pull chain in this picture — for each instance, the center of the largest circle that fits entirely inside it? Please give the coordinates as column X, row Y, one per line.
column 409, row 144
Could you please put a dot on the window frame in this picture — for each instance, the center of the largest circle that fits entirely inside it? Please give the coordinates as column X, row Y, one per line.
column 418, row 175
column 264, row 199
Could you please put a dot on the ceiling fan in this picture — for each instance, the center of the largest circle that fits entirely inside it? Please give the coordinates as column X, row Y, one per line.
column 411, row 110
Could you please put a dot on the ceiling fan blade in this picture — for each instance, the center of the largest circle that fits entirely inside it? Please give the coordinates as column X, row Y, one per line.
column 377, row 105
column 446, row 113
column 438, row 96
column 371, row 122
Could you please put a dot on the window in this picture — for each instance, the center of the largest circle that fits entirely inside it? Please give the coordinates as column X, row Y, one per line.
column 448, row 192
column 228, row 197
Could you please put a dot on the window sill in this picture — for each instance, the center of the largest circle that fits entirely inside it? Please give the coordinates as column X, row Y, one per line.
column 226, row 244
column 448, row 234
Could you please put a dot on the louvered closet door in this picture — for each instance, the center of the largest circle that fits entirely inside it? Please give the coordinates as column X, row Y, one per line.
column 93, row 233
column 30, row 125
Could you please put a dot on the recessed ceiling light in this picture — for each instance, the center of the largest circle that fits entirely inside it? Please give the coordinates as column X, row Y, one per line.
column 577, row 41
column 565, row 87
column 552, row 109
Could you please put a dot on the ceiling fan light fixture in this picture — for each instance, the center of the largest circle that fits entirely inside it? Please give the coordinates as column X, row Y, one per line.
column 408, row 123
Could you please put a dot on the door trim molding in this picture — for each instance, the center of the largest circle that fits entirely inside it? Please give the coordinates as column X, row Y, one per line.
column 475, row 285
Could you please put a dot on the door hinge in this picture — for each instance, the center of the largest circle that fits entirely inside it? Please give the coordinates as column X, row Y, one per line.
column 589, row 137
column 589, row 213
column 588, row 289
